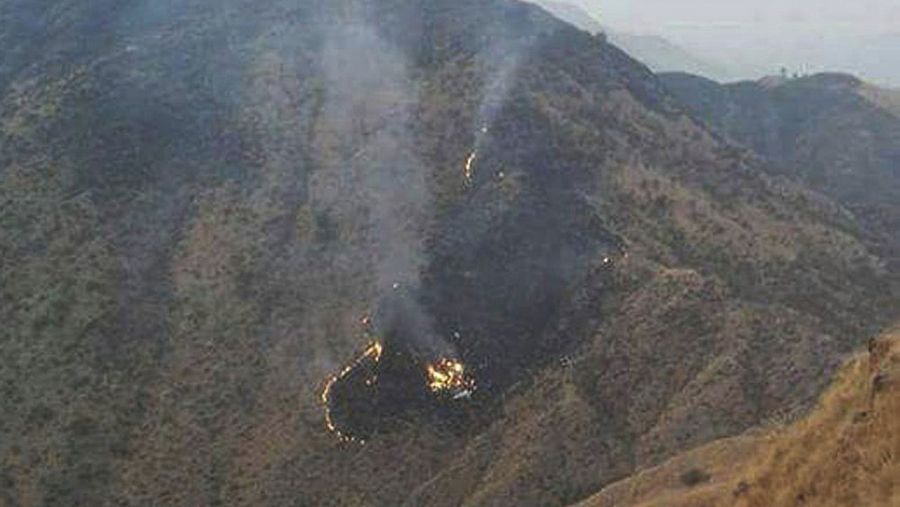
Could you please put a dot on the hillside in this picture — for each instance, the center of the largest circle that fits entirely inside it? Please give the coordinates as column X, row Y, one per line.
column 842, row 454
column 658, row 53
column 201, row 205
column 833, row 132
column 663, row 55
column 572, row 14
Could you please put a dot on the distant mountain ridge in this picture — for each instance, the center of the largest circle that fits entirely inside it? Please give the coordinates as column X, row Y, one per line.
column 201, row 205
column 572, row 14
column 661, row 55
column 656, row 52
column 831, row 131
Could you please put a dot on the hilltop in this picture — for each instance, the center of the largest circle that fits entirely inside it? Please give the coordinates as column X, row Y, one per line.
column 844, row 453
column 200, row 204
column 833, row 132
column 658, row 53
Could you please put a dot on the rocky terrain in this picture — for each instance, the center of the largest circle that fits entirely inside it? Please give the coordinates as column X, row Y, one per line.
column 833, row 132
column 199, row 204
column 843, row 453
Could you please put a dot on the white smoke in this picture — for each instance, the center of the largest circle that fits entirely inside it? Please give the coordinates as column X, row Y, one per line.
column 375, row 177
column 499, row 64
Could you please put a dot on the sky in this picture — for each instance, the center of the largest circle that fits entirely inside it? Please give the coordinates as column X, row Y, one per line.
column 860, row 36
column 783, row 18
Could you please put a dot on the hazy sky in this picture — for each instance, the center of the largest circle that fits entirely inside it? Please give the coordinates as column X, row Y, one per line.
column 759, row 36
column 802, row 17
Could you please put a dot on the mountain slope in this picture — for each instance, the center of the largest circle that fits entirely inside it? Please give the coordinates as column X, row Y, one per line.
column 572, row 14
column 198, row 205
column 832, row 132
column 844, row 453
column 662, row 55
column 656, row 52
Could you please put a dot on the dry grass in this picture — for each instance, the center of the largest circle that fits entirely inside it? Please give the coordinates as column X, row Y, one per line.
column 845, row 453
column 886, row 98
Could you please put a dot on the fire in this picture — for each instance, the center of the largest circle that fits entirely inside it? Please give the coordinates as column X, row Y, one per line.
column 444, row 378
column 449, row 376
column 373, row 352
column 468, row 172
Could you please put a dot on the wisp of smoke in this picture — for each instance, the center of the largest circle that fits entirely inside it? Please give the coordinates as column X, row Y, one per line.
column 499, row 65
column 367, row 111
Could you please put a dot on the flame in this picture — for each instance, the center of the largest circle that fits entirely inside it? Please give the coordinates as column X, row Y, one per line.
column 373, row 352
column 449, row 376
column 468, row 172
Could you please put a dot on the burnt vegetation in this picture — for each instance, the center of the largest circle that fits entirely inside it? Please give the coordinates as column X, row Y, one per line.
column 197, row 207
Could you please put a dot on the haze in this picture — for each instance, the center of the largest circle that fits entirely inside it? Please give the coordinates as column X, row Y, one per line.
column 759, row 36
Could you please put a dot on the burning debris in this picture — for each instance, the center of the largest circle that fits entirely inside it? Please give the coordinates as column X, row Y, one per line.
column 364, row 397
column 395, row 375
column 449, row 377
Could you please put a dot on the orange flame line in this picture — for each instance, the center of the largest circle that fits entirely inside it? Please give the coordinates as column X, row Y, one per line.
column 470, row 162
column 373, row 351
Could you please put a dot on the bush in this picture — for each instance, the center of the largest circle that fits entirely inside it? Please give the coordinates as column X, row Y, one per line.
column 694, row 477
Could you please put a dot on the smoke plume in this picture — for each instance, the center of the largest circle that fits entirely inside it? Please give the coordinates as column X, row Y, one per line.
column 377, row 177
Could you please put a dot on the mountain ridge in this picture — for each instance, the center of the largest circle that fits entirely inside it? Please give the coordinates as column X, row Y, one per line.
column 199, row 207
column 656, row 52
column 839, row 454
column 831, row 131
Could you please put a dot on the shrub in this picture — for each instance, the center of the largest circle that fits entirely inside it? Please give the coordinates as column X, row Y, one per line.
column 694, row 477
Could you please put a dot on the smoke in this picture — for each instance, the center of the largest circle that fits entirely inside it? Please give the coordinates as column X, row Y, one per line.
column 498, row 64
column 373, row 175
column 377, row 178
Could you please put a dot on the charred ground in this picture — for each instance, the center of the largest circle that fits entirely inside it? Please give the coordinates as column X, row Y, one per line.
column 197, row 206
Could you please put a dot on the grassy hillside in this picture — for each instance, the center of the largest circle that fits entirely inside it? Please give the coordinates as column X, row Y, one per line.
column 199, row 203
column 833, row 132
column 844, row 453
